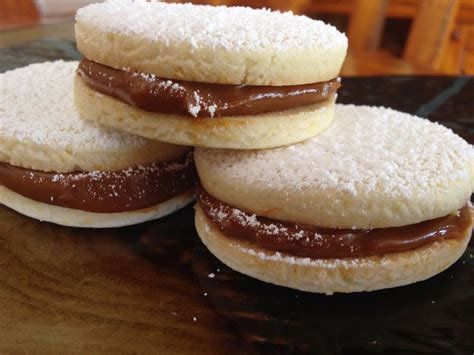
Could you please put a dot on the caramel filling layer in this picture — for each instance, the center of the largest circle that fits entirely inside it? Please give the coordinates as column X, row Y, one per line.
column 186, row 98
column 130, row 189
column 324, row 243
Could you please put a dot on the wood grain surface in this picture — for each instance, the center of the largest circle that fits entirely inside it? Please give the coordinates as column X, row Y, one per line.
column 149, row 288
column 118, row 290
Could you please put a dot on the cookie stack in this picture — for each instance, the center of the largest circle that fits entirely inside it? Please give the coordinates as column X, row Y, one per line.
column 293, row 189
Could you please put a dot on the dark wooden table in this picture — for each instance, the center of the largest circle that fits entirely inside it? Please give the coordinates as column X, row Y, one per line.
column 145, row 289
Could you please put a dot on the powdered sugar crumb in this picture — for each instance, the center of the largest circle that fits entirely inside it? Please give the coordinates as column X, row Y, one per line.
column 201, row 104
column 223, row 214
column 346, row 263
column 195, row 108
column 122, row 179
column 277, row 256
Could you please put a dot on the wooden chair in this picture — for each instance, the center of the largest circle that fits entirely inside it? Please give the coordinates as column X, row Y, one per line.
column 297, row 6
column 429, row 35
column 434, row 44
column 17, row 13
column 428, row 49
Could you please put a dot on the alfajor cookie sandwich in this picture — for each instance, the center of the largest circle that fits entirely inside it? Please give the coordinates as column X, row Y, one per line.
column 211, row 76
column 58, row 168
column 379, row 200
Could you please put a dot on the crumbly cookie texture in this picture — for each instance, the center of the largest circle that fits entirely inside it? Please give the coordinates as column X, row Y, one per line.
column 230, row 45
column 41, row 129
column 374, row 167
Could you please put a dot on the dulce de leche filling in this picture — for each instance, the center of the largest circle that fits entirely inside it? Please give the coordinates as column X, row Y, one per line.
column 324, row 243
column 130, row 189
column 186, row 98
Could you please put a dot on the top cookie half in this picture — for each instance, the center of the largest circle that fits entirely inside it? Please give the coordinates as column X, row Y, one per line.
column 373, row 168
column 40, row 128
column 210, row 44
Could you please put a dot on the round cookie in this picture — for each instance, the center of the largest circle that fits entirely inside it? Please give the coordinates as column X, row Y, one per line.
column 56, row 167
column 378, row 200
column 41, row 129
column 210, row 44
column 373, row 168
column 332, row 275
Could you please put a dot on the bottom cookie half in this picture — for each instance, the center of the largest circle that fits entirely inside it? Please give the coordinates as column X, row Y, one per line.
column 331, row 275
column 84, row 219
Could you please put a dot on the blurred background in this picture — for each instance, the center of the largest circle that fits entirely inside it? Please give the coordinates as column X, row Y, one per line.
column 412, row 37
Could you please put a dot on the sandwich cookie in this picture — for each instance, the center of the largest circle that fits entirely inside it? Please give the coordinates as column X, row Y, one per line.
column 57, row 168
column 379, row 200
column 211, row 76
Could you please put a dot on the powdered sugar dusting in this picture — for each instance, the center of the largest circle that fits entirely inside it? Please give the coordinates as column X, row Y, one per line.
column 196, row 107
column 122, row 175
column 196, row 101
column 226, row 216
column 210, row 27
column 36, row 105
column 366, row 149
column 346, row 263
column 133, row 184
column 293, row 260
